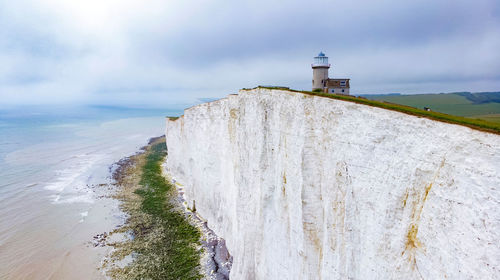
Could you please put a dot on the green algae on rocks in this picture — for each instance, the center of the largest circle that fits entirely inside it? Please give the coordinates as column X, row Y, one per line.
column 162, row 244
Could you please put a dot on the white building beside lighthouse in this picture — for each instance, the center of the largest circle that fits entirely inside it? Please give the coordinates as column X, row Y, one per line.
column 322, row 82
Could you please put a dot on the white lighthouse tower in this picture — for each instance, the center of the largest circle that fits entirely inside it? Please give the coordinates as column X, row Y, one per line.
column 320, row 71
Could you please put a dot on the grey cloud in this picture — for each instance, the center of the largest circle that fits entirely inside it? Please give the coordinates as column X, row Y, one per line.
column 187, row 51
column 236, row 33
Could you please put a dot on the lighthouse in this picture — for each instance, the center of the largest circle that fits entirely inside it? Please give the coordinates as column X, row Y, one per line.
column 322, row 82
column 320, row 71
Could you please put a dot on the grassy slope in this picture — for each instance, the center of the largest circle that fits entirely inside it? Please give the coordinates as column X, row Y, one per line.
column 472, row 123
column 491, row 117
column 450, row 103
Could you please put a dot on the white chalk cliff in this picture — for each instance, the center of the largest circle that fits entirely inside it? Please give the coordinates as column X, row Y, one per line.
column 305, row 187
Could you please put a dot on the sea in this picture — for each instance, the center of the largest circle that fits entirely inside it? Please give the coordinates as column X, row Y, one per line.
column 55, row 184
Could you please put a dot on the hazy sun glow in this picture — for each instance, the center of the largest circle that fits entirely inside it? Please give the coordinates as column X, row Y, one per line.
column 177, row 51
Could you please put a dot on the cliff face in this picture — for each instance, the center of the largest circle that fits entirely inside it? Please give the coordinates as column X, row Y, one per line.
column 305, row 187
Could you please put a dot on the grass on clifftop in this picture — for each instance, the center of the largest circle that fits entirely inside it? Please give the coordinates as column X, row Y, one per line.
column 472, row 123
column 164, row 244
column 481, row 105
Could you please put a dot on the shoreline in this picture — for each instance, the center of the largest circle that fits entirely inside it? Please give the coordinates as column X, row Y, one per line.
column 56, row 192
column 140, row 240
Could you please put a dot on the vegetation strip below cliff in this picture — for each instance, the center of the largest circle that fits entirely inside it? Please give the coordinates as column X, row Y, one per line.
column 162, row 244
column 472, row 123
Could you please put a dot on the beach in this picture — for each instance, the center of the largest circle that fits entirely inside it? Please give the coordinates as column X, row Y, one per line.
column 56, row 190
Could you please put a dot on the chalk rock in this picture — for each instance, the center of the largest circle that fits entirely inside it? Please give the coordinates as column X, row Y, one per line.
column 305, row 187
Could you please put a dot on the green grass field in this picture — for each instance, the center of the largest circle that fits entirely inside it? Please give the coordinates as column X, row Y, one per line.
column 449, row 103
column 490, row 117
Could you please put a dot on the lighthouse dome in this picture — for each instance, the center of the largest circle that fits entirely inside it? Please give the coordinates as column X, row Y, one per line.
column 321, row 61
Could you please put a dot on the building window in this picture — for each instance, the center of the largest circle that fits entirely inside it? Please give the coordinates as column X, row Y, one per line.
column 342, row 90
column 333, row 91
column 342, row 83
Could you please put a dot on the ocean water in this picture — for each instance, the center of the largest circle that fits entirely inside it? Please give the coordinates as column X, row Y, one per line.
column 54, row 185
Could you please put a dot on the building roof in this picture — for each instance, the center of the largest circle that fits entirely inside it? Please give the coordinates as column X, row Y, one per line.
column 335, row 83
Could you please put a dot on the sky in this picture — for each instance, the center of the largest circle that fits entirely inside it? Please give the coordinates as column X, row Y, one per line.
column 151, row 53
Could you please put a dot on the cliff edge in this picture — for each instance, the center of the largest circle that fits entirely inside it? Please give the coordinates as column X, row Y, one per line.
column 307, row 187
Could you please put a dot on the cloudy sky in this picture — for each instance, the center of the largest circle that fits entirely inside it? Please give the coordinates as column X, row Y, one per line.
column 152, row 52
